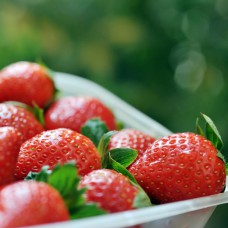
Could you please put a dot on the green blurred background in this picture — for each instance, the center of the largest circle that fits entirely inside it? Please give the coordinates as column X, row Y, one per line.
column 168, row 58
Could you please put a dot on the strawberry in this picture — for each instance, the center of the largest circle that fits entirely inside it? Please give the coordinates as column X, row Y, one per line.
column 57, row 146
column 111, row 190
column 21, row 119
column 27, row 83
column 73, row 112
column 131, row 138
column 178, row 167
column 65, row 179
column 9, row 148
column 30, row 203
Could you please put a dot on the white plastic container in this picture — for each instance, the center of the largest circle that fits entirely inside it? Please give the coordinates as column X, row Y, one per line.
column 184, row 214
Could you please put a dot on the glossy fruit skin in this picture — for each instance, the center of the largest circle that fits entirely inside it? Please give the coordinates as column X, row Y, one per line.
column 9, row 148
column 131, row 138
column 178, row 167
column 26, row 82
column 28, row 203
column 21, row 119
column 111, row 190
column 57, row 146
column 72, row 112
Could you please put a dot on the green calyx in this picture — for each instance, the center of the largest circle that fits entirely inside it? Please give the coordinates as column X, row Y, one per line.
column 119, row 159
column 35, row 109
column 50, row 74
column 120, row 125
column 211, row 133
column 65, row 179
column 94, row 129
column 103, row 146
column 38, row 113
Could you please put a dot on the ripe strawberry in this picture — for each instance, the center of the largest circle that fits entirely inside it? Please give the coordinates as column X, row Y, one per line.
column 28, row 203
column 9, row 148
column 27, row 83
column 111, row 190
column 57, row 146
column 73, row 112
column 21, row 119
column 178, row 167
column 65, row 179
column 131, row 138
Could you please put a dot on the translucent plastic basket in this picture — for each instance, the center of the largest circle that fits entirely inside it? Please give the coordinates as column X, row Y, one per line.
column 184, row 214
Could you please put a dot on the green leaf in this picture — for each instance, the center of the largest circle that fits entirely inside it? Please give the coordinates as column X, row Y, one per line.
column 35, row 110
column 112, row 164
column 120, row 125
column 65, row 179
column 103, row 146
column 51, row 74
column 38, row 113
column 221, row 156
column 198, row 128
column 88, row 211
column 227, row 169
column 31, row 176
column 43, row 174
column 142, row 199
column 49, row 71
column 124, row 156
column 212, row 133
column 19, row 104
column 94, row 129
column 118, row 159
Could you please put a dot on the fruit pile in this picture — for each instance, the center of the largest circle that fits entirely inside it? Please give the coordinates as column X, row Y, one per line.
column 65, row 158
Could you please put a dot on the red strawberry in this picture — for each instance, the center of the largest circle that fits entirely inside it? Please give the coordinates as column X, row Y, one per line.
column 178, row 167
column 29, row 203
column 131, row 138
column 73, row 112
column 57, row 146
column 9, row 148
column 21, row 119
column 111, row 190
column 26, row 82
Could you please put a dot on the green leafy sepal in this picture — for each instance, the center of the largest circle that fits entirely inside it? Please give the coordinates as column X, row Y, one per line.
column 65, row 179
column 94, row 129
column 211, row 133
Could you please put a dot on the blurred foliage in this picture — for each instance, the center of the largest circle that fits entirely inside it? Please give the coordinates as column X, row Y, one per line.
column 168, row 58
